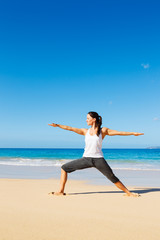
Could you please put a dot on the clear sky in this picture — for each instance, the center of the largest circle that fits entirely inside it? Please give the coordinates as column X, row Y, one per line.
column 61, row 59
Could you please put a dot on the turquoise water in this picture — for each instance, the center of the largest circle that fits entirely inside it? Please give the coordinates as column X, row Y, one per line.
column 131, row 159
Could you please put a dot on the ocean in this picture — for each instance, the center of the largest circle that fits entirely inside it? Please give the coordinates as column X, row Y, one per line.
column 131, row 159
column 45, row 163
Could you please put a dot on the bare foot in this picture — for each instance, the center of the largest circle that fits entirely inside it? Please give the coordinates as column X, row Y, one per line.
column 132, row 195
column 57, row 193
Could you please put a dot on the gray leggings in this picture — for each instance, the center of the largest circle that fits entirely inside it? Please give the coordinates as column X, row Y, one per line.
column 88, row 162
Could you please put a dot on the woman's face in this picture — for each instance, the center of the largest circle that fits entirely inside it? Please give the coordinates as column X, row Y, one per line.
column 90, row 120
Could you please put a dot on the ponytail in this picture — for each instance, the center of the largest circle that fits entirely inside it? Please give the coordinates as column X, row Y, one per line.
column 99, row 123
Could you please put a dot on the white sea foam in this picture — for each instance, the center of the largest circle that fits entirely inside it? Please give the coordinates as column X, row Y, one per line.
column 135, row 169
column 45, row 162
column 33, row 162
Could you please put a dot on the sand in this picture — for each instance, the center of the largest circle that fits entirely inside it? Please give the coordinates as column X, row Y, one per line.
column 89, row 212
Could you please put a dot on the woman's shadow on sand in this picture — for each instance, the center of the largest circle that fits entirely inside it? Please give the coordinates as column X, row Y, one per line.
column 137, row 190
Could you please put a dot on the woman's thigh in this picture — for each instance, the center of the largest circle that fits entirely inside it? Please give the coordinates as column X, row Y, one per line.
column 78, row 164
column 103, row 167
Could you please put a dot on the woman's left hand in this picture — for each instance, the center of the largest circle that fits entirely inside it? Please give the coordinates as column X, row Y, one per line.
column 137, row 134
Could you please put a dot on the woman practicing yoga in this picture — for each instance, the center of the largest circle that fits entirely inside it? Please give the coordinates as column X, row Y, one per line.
column 93, row 156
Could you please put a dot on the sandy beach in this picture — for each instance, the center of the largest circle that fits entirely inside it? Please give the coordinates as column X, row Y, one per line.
column 88, row 211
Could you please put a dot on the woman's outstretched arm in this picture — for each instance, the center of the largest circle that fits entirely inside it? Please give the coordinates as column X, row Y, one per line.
column 107, row 131
column 81, row 131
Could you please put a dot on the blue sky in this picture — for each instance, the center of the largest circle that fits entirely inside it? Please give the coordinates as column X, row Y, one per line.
column 61, row 59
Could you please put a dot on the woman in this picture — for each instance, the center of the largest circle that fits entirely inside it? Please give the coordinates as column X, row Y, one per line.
column 93, row 156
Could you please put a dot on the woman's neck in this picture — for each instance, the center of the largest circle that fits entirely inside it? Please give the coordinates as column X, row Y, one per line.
column 94, row 127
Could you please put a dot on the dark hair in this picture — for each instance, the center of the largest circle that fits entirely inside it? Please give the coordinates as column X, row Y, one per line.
column 98, row 120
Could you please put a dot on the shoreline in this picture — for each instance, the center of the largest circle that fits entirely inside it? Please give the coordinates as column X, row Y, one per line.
column 149, row 178
column 87, row 212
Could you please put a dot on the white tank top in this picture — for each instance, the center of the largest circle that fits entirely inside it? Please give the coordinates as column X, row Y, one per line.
column 93, row 145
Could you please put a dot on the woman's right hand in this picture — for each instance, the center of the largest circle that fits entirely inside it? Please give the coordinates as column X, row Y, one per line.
column 53, row 125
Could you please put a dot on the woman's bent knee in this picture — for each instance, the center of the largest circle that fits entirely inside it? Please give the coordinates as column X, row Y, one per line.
column 66, row 168
column 63, row 168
